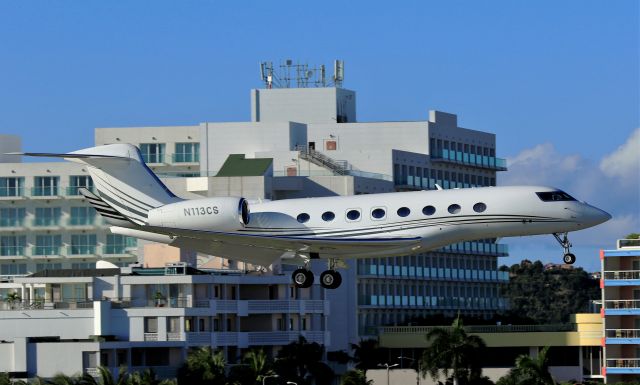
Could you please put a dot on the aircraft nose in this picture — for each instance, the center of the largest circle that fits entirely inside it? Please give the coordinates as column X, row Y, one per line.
column 594, row 216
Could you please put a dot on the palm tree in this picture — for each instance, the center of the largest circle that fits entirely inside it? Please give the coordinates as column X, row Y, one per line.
column 368, row 354
column 530, row 371
column 355, row 377
column 453, row 351
column 258, row 363
column 300, row 360
column 203, row 367
column 12, row 298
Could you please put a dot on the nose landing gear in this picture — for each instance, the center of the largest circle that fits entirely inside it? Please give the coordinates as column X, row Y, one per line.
column 563, row 240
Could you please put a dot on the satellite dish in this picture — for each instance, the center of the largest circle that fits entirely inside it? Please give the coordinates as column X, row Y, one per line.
column 309, row 73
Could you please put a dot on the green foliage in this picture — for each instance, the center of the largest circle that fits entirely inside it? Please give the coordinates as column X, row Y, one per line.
column 453, row 351
column 549, row 296
column 355, row 377
column 300, row 362
column 633, row 236
column 529, row 371
column 202, row 367
column 255, row 366
column 368, row 354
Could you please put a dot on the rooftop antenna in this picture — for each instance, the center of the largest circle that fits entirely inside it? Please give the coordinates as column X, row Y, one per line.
column 305, row 75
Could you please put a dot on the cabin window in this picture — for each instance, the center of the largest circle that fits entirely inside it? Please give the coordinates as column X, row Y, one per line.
column 353, row 215
column 479, row 207
column 454, row 209
column 378, row 213
column 328, row 216
column 403, row 211
column 303, row 218
column 428, row 210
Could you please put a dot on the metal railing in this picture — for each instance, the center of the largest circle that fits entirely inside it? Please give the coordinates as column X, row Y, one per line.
column 623, row 362
column 150, row 336
column 622, row 333
column 622, row 274
column 40, row 304
column 186, row 157
column 75, row 190
column 482, row 329
column 470, row 159
column 622, row 304
column 52, row 191
column 12, row 192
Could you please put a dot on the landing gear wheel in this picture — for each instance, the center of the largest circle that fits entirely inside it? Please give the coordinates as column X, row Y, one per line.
column 569, row 259
column 330, row 279
column 302, row 278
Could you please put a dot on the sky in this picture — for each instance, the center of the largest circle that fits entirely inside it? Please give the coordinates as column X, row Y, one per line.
column 557, row 81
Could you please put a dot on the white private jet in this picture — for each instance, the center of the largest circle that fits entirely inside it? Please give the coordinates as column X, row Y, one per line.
column 136, row 203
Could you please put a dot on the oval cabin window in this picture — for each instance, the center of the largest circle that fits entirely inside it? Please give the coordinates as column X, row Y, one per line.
column 353, row 215
column 328, row 216
column 454, row 209
column 378, row 213
column 303, row 218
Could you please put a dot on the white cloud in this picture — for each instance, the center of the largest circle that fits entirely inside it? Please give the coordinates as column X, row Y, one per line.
column 624, row 163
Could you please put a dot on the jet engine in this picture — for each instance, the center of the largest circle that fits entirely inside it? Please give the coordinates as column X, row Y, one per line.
column 217, row 213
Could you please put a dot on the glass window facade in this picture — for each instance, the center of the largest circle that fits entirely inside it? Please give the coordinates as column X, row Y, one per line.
column 45, row 186
column 152, row 152
column 11, row 187
column 47, row 216
column 12, row 217
column 186, row 153
column 83, row 244
column 48, row 245
column 11, row 245
column 118, row 244
column 82, row 216
column 13, row 269
column 76, row 182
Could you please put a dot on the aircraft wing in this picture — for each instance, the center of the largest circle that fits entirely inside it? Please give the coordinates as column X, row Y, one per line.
column 268, row 248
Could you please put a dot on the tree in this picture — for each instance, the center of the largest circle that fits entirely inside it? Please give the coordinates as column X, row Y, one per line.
column 255, row 366
column 202, row 367
column 12, row 298
column 529, row 371
column 633, row 236
column 355, row 377
column 453, row 351
column 299, row 360
column 368, row 354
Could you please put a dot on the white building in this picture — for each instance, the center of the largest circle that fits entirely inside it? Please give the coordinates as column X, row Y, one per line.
column 73, row 321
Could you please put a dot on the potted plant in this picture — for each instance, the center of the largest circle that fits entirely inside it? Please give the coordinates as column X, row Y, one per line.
column 159, row 298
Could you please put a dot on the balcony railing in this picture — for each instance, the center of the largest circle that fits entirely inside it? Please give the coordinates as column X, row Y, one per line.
column 622, row 333
column 81, row 250
column 470, row 159
column 44, row 191
column 187, row 157
column 47, row 250
column 11, row 192
column 622, row 304
column 41, row 304
column 75, row 190
column 150, row 336
column 622, row 274
column 12, row 251
column 423, row 330
column 623, row 362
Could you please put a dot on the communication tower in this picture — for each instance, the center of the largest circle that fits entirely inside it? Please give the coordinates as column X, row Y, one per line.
column 290, row 74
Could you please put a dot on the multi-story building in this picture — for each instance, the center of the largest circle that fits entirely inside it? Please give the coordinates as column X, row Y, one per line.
column 45, row 222
column 72, row 321
column 620, row 285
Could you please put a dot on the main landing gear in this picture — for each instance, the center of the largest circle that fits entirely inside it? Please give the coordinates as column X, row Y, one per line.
column 563, row 240
column 329, row 279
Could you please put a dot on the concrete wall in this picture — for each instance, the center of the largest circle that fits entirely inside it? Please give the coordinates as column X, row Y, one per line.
column 64, row 323
column 10, row 143
column 313, row 105
column 49, row 359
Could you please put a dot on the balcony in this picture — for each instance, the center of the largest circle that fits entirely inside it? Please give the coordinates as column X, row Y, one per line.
column 245, row 339
column 622, row 278
column 187, row 157
column 46, row 251
column 12, row 193
column 239, row 307
column 11, row 252
column 45, row 192
column 622, row 336
column 81, row 251
column 623, row 366
column 622, row 307
column 39, row 304
column 473, row 160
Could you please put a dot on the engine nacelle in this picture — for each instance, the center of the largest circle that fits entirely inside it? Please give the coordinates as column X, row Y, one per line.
column 218, row 214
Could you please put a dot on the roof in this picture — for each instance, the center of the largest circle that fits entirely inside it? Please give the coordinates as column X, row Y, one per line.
column 238, row 165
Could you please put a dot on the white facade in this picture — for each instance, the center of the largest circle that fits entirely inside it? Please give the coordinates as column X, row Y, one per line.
column 73, row 324
column 9, row 143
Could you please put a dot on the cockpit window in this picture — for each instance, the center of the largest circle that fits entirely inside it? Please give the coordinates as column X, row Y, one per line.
column 554, row 196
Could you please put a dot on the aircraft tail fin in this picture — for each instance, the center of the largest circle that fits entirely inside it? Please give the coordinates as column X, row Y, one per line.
column 123, row 181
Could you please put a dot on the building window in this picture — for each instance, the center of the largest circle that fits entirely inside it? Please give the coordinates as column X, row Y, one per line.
column 173, row 324
column 303, row 218
column 47, row 216
column 83, row 244
column 330, row 145
column 76, row 182
column 82, row 216
column 13, row 269
column 11, row 187
column 150, row 324
column 12, row 217
column 187, row 153
column 152, row 152
column 48, row 266
column 118, row 244
column 378, row 213
column 328, row 216
column 83, row 265
column 12, row 245
column 48, row 245
column 45, row 186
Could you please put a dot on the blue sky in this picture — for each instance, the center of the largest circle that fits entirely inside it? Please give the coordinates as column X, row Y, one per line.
column 557, row 81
